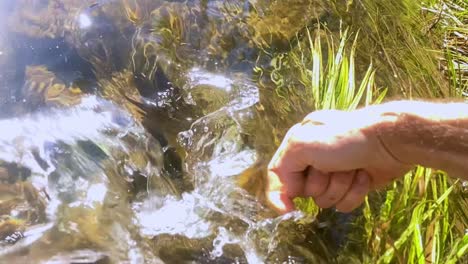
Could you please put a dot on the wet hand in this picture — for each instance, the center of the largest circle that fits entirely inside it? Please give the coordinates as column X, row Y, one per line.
column 336, row 157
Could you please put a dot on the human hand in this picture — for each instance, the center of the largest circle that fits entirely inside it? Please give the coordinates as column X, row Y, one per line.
column 336, row 157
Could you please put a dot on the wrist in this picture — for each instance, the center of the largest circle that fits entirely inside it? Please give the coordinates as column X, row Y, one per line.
column 433, row 135
column 389, row 124
column 420, row 133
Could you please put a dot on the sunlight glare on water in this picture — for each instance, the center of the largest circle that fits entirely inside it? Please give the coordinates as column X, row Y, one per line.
column 182, row 217
column 85, row 21
column 52, row 125
column 133, row 138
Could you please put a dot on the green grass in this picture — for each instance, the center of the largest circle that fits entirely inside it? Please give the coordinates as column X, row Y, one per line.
column 422, row 217
column 395, row 35
column 413, row 220
column 333, row 82
column 450, row 20
column 315, row 76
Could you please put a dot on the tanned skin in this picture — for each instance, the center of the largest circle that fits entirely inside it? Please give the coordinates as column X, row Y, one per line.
column 337, row 157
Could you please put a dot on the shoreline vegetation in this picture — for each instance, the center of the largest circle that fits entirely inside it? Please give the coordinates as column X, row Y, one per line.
column 416, row 50
column 292, row 57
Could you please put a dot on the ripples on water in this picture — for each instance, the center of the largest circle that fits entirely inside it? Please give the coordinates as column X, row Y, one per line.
column 73, row 153
column 104, row 188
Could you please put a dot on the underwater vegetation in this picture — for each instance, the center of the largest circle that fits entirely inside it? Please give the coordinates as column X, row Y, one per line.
column 415, row 52
column 184, row 102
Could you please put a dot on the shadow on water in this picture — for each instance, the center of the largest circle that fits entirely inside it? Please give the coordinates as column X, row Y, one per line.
column 132, row 131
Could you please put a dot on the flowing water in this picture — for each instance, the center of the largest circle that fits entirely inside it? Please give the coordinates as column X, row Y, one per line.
column 127, row 126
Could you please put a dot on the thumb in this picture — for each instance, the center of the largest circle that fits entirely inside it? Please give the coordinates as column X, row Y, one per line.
column 277, row 197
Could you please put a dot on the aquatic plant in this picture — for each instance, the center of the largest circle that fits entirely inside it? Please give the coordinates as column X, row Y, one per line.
column 449, row 21
column 361, row 50
column 332, row 80
column 396, row 36
column 416, row 220
column 422, row 217
column 314, row 76
column 419, row 219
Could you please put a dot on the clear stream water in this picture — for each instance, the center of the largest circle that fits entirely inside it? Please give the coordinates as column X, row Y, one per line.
column 86, row 178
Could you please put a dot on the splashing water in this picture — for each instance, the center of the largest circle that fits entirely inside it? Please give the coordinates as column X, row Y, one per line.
column 103, row 181
column 85, row 194
column 56, row 146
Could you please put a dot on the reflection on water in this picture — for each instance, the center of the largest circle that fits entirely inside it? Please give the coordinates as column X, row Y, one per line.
column 127, row 125
column 90, row 160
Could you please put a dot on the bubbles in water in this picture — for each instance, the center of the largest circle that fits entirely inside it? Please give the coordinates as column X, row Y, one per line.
column 224, row 237
column 106, row 176
column 231, row 164
column 175, row 217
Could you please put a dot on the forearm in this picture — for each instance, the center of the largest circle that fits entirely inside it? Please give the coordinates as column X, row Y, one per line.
column 429, row 134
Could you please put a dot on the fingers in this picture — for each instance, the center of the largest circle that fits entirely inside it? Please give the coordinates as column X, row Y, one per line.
column 285, row 179
column 281, row 191
column 340, row 183
column 328, row 148
column 325, row 147
column 287, row 169
column 344, row 190
column 280, row 202
column 316, row 183
column 356, row 194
